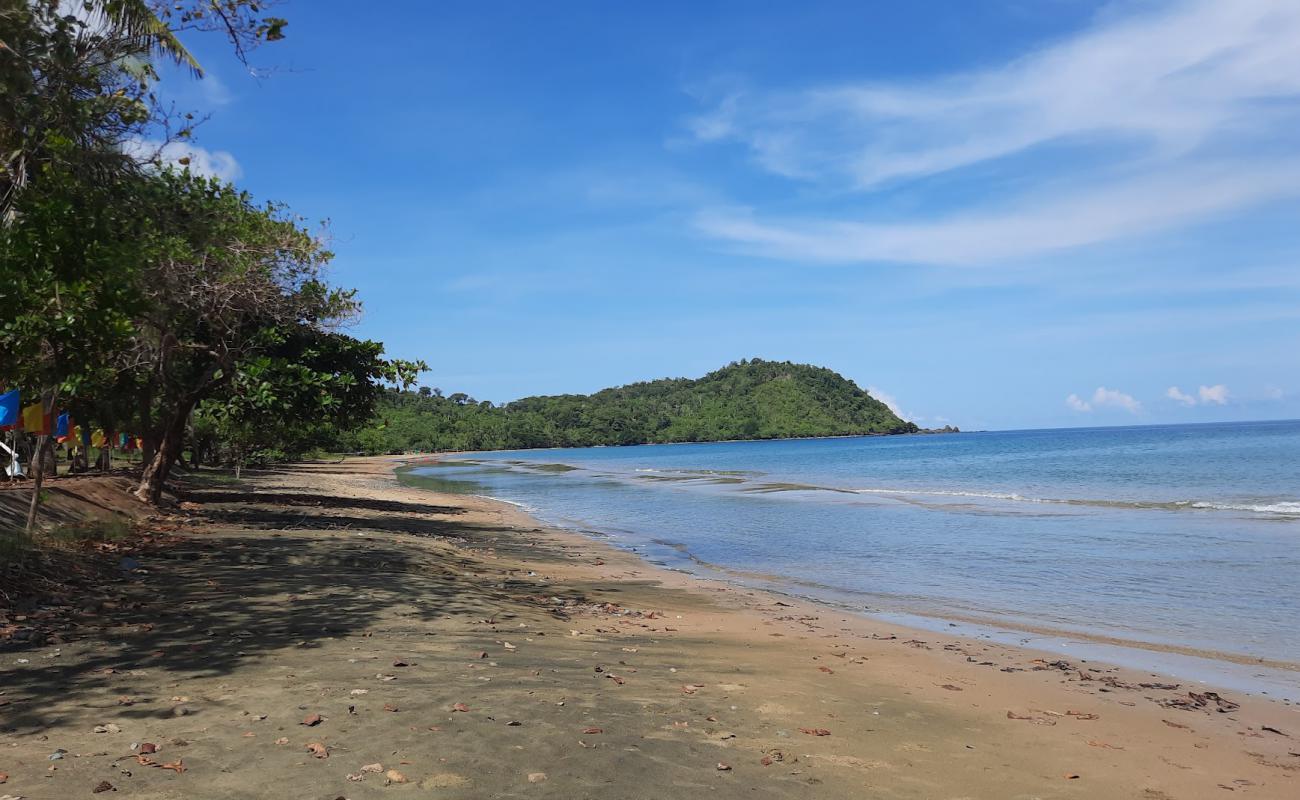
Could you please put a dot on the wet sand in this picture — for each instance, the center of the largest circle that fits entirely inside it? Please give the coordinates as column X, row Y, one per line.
column 451, row 646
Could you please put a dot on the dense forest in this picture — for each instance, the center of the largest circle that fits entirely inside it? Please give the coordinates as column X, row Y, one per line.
column 753, row 399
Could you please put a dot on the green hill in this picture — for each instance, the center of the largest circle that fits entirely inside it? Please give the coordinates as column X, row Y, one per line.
column 745, row 400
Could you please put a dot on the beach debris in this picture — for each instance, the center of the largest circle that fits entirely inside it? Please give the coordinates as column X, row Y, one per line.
column 460, row 707
column 592, row 731
column 1095, row 743
column 1176, row 725
column 359, row 692
column 1167, row 686
column 772, row 757
column 109, row 728
column 1196, row 701
column 318, row 750
column 400, row 663
column 509, row 646
column 282, row 740
column 312, row 720
column 393, row 776
column 950, row 687
column 1081, row 715
column 722, row 767
column 815, row 731
column 827, row 670
column 615, row 678
column 536, row 777
column 375, row 768
column 355, row 777
column 103, row 786
column 390, row 707
column 58, row 755
column 1035, row 720
column 1071, row 776
column 1271, row 729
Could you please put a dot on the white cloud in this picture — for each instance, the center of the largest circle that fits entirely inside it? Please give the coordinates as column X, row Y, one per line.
column 1170, row 117
column 890, row 401
column 1217, row 394
column 1274, row 393
column 201, row 161
column 1078, row 404
column 1105, row 398
column 1176, row 394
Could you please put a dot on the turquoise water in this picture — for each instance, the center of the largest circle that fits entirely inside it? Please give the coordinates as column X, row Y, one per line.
column 1159, row 537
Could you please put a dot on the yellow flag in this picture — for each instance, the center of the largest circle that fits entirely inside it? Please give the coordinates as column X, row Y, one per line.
column 98, row 439
column 34, row 419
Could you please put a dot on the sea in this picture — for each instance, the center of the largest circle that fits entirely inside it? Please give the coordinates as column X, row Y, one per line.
column 1170, row 548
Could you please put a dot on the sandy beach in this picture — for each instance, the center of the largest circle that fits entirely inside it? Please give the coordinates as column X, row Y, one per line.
column 321, row 631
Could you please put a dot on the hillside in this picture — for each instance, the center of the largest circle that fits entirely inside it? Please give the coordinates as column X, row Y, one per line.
column 745, row 400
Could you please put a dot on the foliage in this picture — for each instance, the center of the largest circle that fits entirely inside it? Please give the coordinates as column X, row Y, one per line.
column 752, row 399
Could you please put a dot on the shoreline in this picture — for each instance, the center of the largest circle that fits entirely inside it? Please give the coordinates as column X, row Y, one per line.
column 1218, row 669
column 319, row 620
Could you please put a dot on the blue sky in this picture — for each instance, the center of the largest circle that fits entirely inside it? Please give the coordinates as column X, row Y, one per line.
column 1014, row 213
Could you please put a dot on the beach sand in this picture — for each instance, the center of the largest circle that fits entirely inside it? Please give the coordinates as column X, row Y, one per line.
column 451, row 646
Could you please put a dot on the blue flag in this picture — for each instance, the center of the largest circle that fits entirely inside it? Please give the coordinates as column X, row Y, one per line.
column 9, row 405
column 61, row 427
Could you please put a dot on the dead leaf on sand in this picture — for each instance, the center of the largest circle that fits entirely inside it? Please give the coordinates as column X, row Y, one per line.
column 1094, row 743
column 815, row 731
column 282, row 740
column 827, row 670
column 724, row 767
column 616, row 679
column 318, row 750
column 393, row 776
column 312, row 720
column 103, row 786
column 1176, row 725
column 536, row 777
column 460, row 707
column 390, row 707
column 1081, row 715
column 1070, row 776
column 950, row 687
column 593, row 731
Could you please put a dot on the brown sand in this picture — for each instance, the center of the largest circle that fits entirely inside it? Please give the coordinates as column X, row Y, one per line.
column 580, row 670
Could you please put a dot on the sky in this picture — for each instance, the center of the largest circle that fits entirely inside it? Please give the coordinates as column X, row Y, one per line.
column 999, row 214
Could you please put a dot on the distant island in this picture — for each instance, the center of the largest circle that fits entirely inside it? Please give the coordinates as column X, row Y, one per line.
column 750, row 399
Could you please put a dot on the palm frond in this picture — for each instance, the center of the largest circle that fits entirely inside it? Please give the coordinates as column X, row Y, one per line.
column 136, row 18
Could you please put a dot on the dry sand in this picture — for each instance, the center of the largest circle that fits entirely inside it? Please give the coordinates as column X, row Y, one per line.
column 452, row 647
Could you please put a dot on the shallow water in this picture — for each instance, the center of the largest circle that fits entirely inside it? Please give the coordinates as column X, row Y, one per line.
column 1182, row 538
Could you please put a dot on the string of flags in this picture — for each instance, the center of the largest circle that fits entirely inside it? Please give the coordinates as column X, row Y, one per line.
column 34, row 419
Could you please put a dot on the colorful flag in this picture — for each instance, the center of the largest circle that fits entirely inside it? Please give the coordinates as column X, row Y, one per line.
column 83, row 434
column 121, row 440
column 61, row 428
column 98, row 439
column 8, row 410
column 35, row 420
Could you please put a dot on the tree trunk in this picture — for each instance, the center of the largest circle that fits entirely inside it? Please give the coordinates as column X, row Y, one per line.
column 154, row 477
column 38, row 479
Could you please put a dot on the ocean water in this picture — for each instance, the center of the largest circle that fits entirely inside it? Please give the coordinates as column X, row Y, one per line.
column 1174, row 548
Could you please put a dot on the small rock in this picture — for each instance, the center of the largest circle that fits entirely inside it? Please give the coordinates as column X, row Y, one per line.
column 536, row 777
column 103, row 786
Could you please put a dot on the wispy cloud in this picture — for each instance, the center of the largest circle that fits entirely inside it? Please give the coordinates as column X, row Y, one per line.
column 1105, row 398
column 1179, row 396
column 1166, row 118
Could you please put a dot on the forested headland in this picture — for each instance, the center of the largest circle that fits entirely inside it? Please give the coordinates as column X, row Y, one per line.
column 752, row 399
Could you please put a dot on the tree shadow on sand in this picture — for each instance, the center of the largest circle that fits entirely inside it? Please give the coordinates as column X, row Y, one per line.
column 202, row 609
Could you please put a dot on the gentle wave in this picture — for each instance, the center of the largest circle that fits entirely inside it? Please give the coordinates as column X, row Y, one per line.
column 1281, row 508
